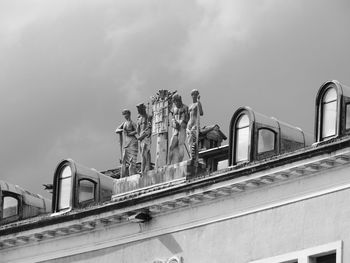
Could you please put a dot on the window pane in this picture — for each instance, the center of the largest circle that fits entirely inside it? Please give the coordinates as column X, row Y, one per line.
column 243, row 121
column 326, row 259
column 330, row 95
column 329, row 116
column 65, row 186
column 266, row 140
column 66, row 172
column 347, row 116
column 10, row 206
column 242, row 144
column 86, row 190
column 222, row 164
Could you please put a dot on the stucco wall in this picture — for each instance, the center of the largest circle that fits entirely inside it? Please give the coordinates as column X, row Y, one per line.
column 272, row 232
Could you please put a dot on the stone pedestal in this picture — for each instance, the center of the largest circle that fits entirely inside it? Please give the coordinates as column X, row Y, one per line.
column 174, row 173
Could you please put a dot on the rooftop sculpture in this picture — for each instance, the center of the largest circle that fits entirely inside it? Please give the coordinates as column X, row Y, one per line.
column 161, row 106
column 179, row 124
column 193, row 126
column 144, row 137
column 128, row 143
column 136, row 138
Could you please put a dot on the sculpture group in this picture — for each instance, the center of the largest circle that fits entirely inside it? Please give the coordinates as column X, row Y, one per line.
column 135, row 138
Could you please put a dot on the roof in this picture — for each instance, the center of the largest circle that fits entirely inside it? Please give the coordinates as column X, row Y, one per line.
column 28, row 197
column 182, row 192
column 286, row 130
column 342, row 89
column 213, row 128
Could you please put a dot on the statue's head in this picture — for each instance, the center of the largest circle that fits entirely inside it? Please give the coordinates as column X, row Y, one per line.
column 126, row 113
column 163, row 93
column 194, row 94
column 177, row 100
column 141, row 108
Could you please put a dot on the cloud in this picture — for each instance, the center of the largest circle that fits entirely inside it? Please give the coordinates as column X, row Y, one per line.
column 68, row 68
column 131, row 89
column 224, row 26
column 227, row 29
column 16, row 16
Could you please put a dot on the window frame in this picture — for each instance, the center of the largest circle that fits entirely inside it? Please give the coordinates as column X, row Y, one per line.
column 313, row 258
column 274, row 150
column 89, row 201
column 305, row 255
column 346, row 114
column 235, row 128
column 59, row 188
column 3, row 203
column 19, row 209
column 321, row 114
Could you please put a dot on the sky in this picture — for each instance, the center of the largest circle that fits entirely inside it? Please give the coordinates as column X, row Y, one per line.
column 69, row 67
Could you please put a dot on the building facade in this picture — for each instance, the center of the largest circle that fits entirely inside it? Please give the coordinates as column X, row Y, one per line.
column 267, row 206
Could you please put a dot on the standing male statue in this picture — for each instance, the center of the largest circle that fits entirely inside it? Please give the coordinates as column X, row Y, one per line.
column 193, row 126
column 144, row 136
column 179, row 124
column 130, row 143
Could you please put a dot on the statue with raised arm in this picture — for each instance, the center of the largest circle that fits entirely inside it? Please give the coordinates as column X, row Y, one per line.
column 144, row 127
column 179, row 124
column 129, row 145
column 193, row 126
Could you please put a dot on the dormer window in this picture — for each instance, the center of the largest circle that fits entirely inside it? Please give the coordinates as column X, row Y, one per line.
column 77, row 186
column 242, row 139
column 332, row 118
column 10, row 206
column 329, row 113
column 255, row 137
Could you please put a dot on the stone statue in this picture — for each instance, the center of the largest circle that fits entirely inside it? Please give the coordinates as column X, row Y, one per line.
column 193, row 126
column 144, row 137
column 129, row 144
column 179, row 124
column 161, row 108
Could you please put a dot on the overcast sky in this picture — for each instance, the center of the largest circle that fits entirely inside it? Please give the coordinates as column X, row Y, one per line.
column 68, row 68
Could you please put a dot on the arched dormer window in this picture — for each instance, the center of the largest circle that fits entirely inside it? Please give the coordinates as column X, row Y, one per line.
column 10, row 206
column 65, row 188
column 255, row 137
column 242, row 139
column 328, row 114
column 87, row 190
column 266, row 140
column 332, row 119
column 76, row 186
